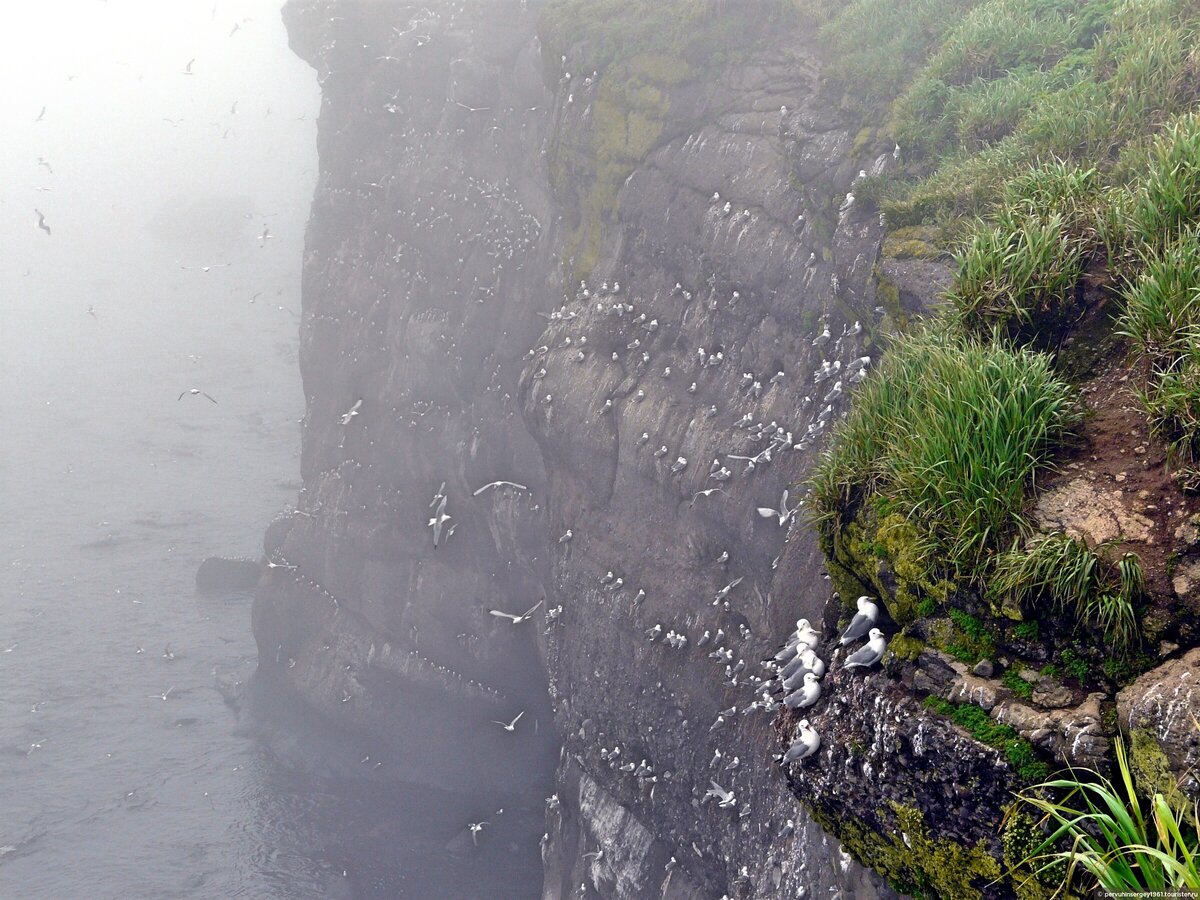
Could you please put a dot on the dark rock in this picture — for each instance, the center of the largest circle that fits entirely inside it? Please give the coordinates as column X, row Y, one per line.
column 984, row 668
column 219, row 573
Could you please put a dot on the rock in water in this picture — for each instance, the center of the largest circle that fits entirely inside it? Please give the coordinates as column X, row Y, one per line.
column 218, row 573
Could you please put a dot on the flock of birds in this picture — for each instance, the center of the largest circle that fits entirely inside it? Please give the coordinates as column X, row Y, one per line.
column 606, row 323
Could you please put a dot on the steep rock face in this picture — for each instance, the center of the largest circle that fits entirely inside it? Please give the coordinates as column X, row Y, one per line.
column 428, row 221
column 733, row 246
column 447, row 210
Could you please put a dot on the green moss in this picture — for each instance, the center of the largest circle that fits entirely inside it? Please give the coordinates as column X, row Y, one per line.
column 963, row 636
column 1074, row 665
column 913, row 242
column 1020, row 838
column 1027, row 631
column 906, row 647
column 1152, row 770
column 1017, row 684
column 1018, row 751
column 913, row 861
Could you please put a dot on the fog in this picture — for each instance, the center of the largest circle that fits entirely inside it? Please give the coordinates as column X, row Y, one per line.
column 124, row 773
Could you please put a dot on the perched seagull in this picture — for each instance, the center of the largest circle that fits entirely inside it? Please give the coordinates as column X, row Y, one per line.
column 870, row 654
column 352, row 412
column 863, row 621
column 809, row 694
column 806, row 634
column 439, row 520
column 513, row 484
column 42, row 221
column 566, row 537
column 510, row 726
column 783, row 513
column 196, row 392
column 806, row 744
column 517, row 620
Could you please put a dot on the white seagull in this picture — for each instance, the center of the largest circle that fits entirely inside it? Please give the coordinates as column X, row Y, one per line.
column 196, row 392
column 517, row 620
column 510, row 726
column 439, row 520
column 863, row 621
column 783, row 513
column 494, row 484
column 806, row 744
column 870, row 654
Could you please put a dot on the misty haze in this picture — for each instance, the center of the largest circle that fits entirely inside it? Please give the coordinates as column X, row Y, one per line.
column 669, row 449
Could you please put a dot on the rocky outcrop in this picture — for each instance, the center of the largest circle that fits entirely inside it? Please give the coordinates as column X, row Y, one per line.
column 1160, row 711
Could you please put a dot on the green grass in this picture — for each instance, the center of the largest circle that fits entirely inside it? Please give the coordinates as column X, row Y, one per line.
column 980, row 90
column 1017, row 684
column 1018, row 751
column 1125, row 842
column 953, row 431
column 1065, row 574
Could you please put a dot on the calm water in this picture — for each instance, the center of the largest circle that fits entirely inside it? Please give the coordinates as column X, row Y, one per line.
column 123, row 773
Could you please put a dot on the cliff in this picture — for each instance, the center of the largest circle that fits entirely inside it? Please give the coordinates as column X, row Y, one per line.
column 607, row 254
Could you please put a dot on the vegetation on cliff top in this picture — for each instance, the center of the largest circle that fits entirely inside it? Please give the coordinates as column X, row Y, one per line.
column 1126, row 841
column 979, row 90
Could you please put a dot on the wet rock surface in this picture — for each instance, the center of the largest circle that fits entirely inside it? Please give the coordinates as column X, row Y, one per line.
column 443, row 349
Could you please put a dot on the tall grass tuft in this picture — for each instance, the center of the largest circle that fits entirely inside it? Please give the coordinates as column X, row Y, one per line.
column 1018, row 272
column 1074, row 578
column 953, row 432
column 1169, row 202
column 1128, row 844
column 1162, row 320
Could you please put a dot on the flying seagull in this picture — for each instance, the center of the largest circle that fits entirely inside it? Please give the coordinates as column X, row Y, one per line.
column 196, row 392
column 517, row 620
column 41, row 115
column 862, row 622
column 208, row 268
column 42, row 221
column 187, row 70
column 45, row 165
column 510, row 726
column 783, row 513
column 870, row 654
column 351, row 413
column 265, row 236
column 440, row 518
column 475, row 828
column 493, row 484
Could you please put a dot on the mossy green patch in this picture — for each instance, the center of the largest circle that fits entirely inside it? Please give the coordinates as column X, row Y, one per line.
column 1016, row 749
column 912, row 860
column 1152, row 770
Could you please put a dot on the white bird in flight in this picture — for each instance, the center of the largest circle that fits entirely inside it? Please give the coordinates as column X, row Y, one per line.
column 439, row 521
column 517, row 620
column 494, row 484
column 783, row 513
column 195, row 392
column 510, row 726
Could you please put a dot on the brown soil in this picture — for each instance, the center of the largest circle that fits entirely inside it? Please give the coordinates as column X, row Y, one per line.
column 1116, row 452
